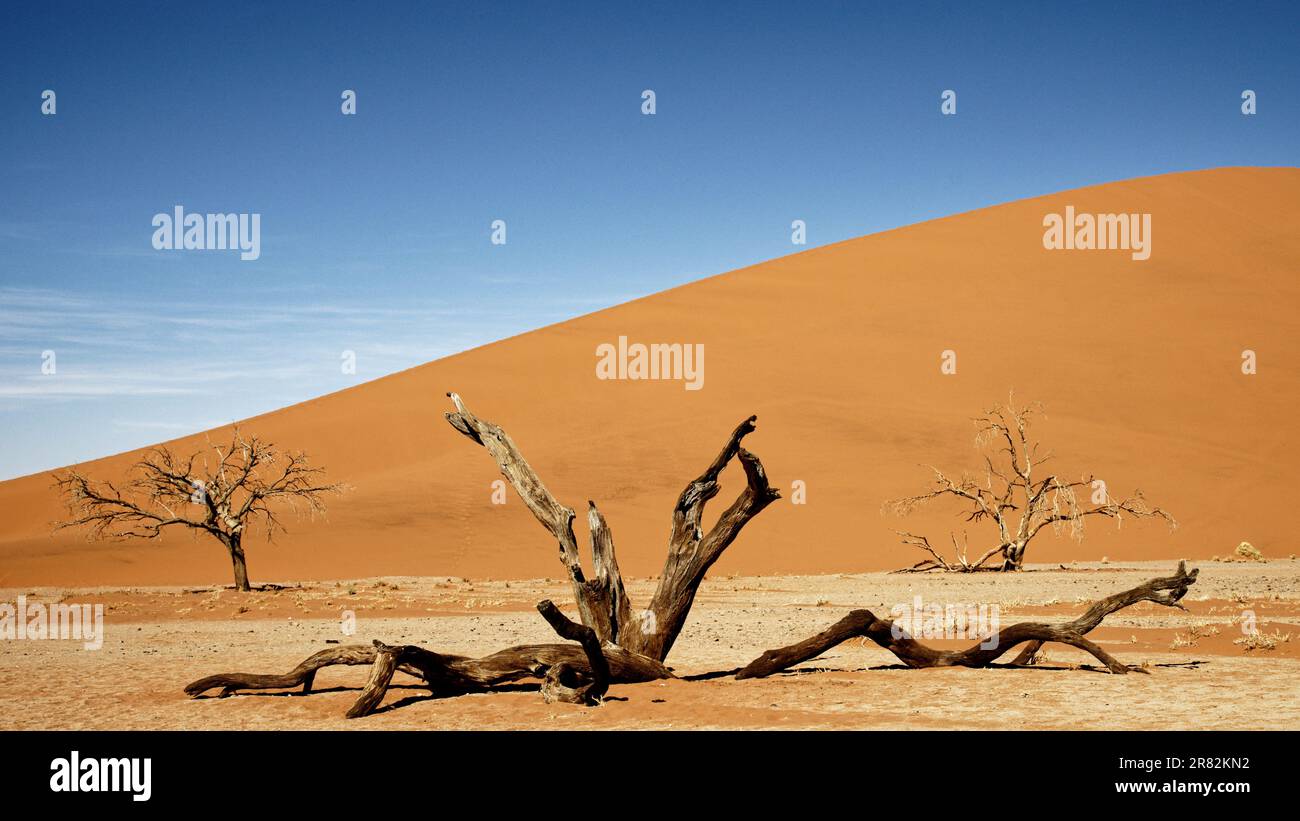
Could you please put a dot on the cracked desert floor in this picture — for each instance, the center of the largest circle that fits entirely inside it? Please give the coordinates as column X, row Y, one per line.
column 1199, row 672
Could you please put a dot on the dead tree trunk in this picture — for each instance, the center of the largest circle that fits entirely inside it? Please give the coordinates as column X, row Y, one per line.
column 617, row 644
column 1167, row 591
column 603, row 602
column 239, row 562
column 1014, row 558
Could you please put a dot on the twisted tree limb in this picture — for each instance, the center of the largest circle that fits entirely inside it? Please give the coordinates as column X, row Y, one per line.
column 586, row 670
column 598, row 598
column 603, row 602
column 570, row 684
column 1165, row 591
column 566, row 678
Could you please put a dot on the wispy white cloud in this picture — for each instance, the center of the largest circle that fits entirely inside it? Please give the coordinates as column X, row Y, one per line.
column 57, row 389
column 131, row 369
column 109, row 346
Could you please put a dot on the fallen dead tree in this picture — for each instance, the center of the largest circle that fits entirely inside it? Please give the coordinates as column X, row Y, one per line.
column 617, row 644
column 573, row 673
column 863, row 623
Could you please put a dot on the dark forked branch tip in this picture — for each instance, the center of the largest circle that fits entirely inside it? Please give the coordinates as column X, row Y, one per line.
column 461, row 419
column 746, row 427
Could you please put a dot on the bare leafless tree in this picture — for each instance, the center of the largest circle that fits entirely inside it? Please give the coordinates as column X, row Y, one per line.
column 1015, row 497
column 222, row 490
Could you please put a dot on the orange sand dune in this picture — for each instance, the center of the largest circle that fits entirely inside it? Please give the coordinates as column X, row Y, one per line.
column 837, row 350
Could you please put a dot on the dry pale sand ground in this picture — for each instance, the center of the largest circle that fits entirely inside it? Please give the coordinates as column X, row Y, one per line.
column 161, row 638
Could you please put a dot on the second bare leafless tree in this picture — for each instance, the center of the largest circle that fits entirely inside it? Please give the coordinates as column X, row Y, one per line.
column 1015, row 497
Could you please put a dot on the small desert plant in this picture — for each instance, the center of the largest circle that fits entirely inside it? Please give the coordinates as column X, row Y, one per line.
column 1194, row 634
column 1248, row 551
column 1262, row 641
column 1245, row 552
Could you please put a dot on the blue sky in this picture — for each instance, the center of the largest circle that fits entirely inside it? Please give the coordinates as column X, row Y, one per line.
column 375, row 227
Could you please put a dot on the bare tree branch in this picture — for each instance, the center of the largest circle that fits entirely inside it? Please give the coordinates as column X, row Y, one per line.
column 603, row 602
column 1167, row 591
